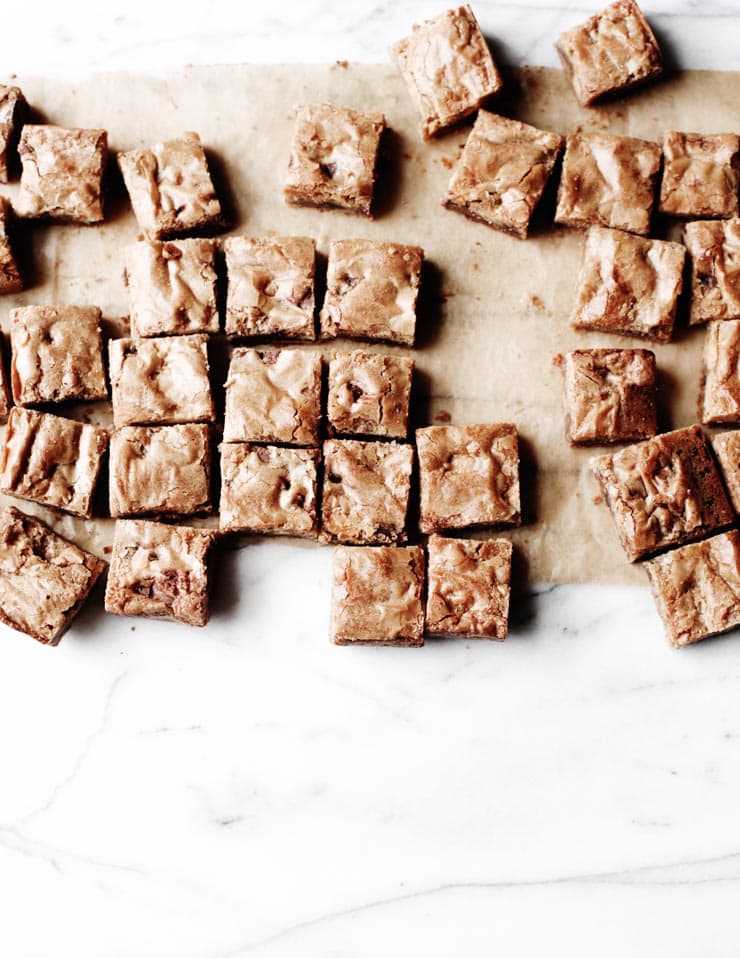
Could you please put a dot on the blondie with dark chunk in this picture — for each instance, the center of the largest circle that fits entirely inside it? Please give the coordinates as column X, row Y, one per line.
column 663, row 492
column 5, row 400
column 333, row 158
column 270, row 287
column 369, row 394
column 714, row 249
column 377, row 596
column 448, row 69
column 43, row 578
column 628, row 284
column 720, row 401
column 726, row 447
column 468, row 587
column 159, row 571
column 62, row 176
column 701, row 174
column 697, row 588
column 12, row 111
column 10, row 276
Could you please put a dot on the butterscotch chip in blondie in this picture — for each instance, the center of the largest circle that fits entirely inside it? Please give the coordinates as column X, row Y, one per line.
column 270, row 287
column 10, row 276
column 44, row 579
column 628, row 284
column 502, row 172
column 726, row 447
column 448, row 69
column 609, row 181
column 369, row 394
column 57, row 354
column 609, row 395
column 610, row 52
column 468, row 586
column 273, row 396
column 366, row 490
column 701, row 174
column 333, row 158
column 377, row 596
column 170, row 187
column 12, row 111
column 160, row 470
column 164, row 381
column 159, row 571
column 720, row 399
column 52, row 461
column 62, row 176
column 663, row 492
column 697, row 588
column 469, row 476
column 268, row 490
column 371, row 291
column 714, row 250
column 172, row 287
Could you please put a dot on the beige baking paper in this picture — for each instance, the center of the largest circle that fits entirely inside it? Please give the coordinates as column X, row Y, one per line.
column 495, row 309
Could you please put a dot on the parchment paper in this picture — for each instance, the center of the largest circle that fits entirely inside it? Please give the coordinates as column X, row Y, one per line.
column 494, row 310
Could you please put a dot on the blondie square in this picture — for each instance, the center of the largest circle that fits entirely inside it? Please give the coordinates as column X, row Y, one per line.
column 714, row 249
column 701, row 174
column 726, row 447
column 10, row 276
column 12, row 112
column 377, row 596
column 369, row 394
column 720, row 400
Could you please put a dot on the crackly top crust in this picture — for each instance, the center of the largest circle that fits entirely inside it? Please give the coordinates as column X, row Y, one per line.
column 333, row 157
column 701, row 174
column 57, row 354
column 44, row 579
column 377, row 596
column 469, row 476
column 721, row 385
column 366, row 491
column 628, row 284
column 697, row 588
column 664, row 491
column 714, row 248
column 10, row 277
column 51, row 460
column 369, row 394
column 12, row 109
column 268, row 489
column 502, row 172
column 172, row 287
column 170, row 187
column 608, row 180
column 609, row 395
column 159, row 571
column 371, row 291
column 273, row 395
column 448, row 69
column 726, row 447
column 160, row 470
column 611, row 51
column 62, row 176
column 163, row 381
column 271, row 286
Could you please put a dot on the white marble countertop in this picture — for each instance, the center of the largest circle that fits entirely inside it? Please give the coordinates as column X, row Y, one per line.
column 250, row 790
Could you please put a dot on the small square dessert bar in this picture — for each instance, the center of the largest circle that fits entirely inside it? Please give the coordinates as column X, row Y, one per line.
column 57, row 354
column 369, row 394
column 52, row 461
column 502, row 172
column 448, row 69
column 469, row 476
column 270, row 287
column 333, row 158
column 366, row 491
column 44, row 579
column 62, row 177
column 608, row 181
column 663, row 492
column 720, row 399
column 714, row 249
column 468, row 586
column 170, row 187
column 701, row 174
column 172, row 287
column 697, row 588
column 377, row 596
column 273, row 396
column 726, row 447
column 610, row 52
column 371, row 291
column 160, row 470
column 159, row 571
column 163, row 381
column 268, row 490
column 609, row 395
column 628, row 284
column 12, row 112
column 11, row 280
